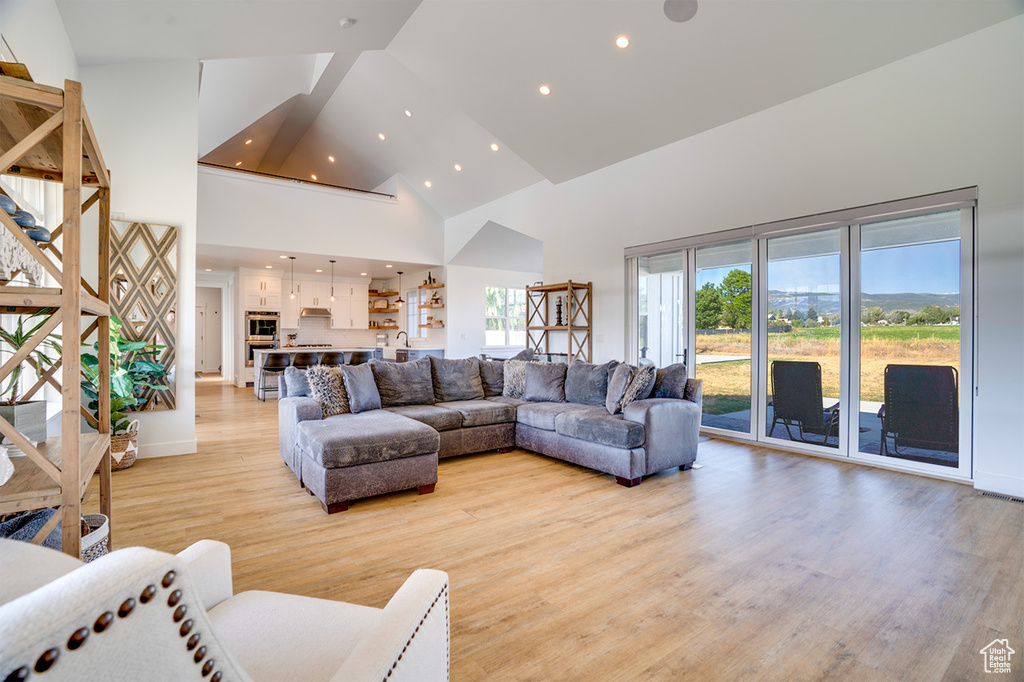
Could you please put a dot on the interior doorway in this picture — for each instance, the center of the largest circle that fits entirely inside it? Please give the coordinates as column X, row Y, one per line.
column 208, row 330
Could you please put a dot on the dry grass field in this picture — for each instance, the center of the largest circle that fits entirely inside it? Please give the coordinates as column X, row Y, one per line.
column 727, row 384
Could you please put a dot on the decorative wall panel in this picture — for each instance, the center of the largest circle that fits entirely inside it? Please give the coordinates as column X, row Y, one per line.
column 144, row 293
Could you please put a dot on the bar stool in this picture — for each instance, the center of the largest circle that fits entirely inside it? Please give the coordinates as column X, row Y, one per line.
column 304, row 359
column 358, row 357
column 275, row 363
column 333, row 357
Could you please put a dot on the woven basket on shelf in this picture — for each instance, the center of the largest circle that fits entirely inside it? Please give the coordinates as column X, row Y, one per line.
column 127, row 443
column 94, row 543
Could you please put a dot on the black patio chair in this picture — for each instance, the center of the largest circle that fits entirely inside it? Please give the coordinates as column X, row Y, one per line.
column 358, row 357
column 797, row 401
column 921, row 409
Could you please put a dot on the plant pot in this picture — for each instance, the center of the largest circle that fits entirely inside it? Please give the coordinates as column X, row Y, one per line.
column 28, row 417
column 124, row 447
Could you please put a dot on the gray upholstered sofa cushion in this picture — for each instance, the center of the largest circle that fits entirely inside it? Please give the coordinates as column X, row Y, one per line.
column 670, row 382
column 481, row 412
column 433, row 416
column 361, row 388
column 403, row 383
column 296, row 384
column 545, row 382
column 588, row 384
column 514, row 402
column 542, row 415
column 597, row 426
column 492, row 377
column 350, row 439
column 456, row 379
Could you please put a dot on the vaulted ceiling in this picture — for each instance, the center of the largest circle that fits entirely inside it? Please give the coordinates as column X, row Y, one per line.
column 287, row 76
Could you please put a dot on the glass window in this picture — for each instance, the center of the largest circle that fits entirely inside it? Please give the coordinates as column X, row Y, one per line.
column 412, row 314
column 504, row 317
column 660, row 308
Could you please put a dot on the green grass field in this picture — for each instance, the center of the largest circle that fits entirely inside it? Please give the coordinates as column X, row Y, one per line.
column 895, row 333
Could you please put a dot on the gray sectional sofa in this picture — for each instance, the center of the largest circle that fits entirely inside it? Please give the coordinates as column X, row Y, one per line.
column 435, row 408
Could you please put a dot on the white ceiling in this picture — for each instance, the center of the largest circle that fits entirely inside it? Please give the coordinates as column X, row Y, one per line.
column 227, row 258
column 469, row 70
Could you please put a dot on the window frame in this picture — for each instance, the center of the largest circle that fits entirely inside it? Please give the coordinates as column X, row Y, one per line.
column 507, row 317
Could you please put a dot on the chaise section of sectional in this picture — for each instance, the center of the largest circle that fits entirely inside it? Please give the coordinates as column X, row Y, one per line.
column 291, row 411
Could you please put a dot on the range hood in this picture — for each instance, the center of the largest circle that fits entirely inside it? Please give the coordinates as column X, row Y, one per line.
column 315, row 312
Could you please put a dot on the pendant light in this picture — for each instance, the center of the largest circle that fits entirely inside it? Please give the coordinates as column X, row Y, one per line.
column 292, row 258
column 332, row 280
column 399, row 302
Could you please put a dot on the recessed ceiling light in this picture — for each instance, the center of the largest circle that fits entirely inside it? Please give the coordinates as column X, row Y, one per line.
column 249, row 141
column 269, row 267
column 347, row 22
column 362, row 274
column 381, row 136
column 283, row 257
column 331, row 159
column 622, row 41
column 494, row 146
column 545, row 90
column 426, row 183
column 209, row 269
column 238, row 164
column 389, row 265
column 319, row 270
column 313, row 176
column 408, row 113
column 458, row 167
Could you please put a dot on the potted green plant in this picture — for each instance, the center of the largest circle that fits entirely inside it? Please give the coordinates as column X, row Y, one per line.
column 27, row 416
column 131, row 369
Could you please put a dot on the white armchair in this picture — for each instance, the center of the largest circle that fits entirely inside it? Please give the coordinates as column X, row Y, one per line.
column 141, row 614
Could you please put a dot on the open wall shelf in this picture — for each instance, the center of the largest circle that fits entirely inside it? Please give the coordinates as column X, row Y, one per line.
column 576, row 319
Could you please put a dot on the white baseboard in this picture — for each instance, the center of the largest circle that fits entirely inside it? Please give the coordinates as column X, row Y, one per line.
column 999, row 483
column 181, row 447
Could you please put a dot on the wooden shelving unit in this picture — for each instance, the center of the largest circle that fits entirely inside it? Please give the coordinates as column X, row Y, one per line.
column 392, row 309
column 46, row 134
column 425, row 304
column 576, row 316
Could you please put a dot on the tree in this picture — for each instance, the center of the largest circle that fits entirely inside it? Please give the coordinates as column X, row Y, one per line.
column 898, row 317
column 931, row 314
column 812, row 314
column 708, row 307
column 735, row 291
column 872, row 315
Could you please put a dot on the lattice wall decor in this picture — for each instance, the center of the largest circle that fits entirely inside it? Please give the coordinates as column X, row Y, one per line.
column 143, row 292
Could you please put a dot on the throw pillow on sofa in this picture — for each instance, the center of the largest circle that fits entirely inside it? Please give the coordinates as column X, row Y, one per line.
column 526, row 354
column 587, row 384
column 641, row 385
column 514, row 378
column 670, row 382
column 295, row 380
column 617, row 386
column 545, row 383
column 327, row 387
column 492, row 377
column 403, row 383
column 361, row 388
column 456, row 379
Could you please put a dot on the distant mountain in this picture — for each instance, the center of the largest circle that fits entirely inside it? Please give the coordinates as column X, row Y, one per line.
column 909, row 302
column 828, row 304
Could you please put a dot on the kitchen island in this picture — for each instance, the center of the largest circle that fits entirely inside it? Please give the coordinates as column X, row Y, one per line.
column 260, row 356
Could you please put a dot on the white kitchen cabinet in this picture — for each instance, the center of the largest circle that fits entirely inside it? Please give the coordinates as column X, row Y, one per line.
column 262, row 293
column 290, row 308
column 315, row 293
column 350, row 309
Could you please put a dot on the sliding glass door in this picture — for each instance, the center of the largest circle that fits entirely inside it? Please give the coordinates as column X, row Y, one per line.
column 723, row 307
column 911, row 339
column 834, row 334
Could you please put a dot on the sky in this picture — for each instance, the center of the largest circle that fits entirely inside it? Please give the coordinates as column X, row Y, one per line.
column 921, row 269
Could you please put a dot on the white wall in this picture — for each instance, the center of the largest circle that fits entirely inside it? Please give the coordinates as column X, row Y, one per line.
column 250, row 212
column 36, row 34
column 467, row 304
column 949, row 117
column 146, row 119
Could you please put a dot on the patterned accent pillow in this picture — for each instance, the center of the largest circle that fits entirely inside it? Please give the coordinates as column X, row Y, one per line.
column 515, row 378
column 328, row 388
column 641, row 384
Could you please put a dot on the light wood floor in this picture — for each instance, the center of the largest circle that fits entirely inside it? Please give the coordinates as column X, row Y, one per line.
column 760, row 566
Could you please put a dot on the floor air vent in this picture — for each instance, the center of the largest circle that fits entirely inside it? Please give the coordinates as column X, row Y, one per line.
column 1004, row 497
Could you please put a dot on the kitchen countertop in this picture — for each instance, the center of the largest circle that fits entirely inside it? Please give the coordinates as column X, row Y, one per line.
column 319, row 349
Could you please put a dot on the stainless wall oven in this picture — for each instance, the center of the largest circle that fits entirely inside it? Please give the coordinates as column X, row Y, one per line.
column 252, row 346
column 261, row 325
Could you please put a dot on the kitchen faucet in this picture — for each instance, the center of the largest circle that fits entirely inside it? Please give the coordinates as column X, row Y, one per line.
column 406, row 338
